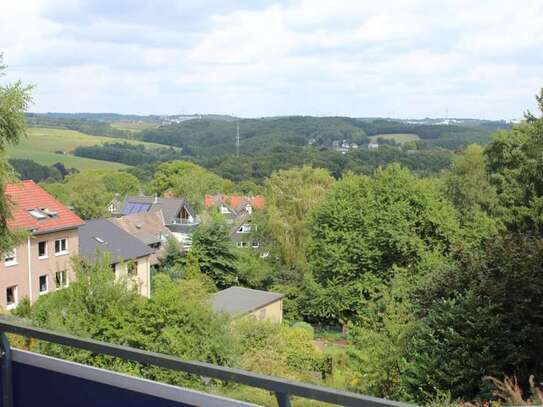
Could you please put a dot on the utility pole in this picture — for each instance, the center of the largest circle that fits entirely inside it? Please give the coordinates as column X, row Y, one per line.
column 237, row 138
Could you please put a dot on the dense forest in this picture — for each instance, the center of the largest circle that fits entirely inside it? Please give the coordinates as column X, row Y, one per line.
column 432, row 271
column 127, row 153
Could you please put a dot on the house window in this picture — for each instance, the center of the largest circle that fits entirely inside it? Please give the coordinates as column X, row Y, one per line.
column 43, row 284
column 245, row 229
column 61, row 246
column 42, row 250
column 11, row 297
column 10, row 258
column 132, row 268
column 61, row 279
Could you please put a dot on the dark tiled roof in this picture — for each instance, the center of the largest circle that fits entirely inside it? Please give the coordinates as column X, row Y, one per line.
column 241, row 300
column 28, row 195
column 101, row 235
column 170, row 207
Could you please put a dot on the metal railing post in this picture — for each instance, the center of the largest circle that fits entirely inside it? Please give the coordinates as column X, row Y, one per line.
column 7, row 377
column 282, row 399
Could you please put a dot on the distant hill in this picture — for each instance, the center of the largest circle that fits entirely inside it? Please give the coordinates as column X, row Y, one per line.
column 211, row 139
column 206, row 137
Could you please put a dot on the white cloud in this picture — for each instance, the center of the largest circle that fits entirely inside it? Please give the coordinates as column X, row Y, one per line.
column 410, row 58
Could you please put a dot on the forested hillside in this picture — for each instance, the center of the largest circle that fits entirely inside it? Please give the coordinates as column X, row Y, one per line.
column 207, row 138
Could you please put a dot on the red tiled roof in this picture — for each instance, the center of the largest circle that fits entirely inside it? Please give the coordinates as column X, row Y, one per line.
column 208, row 201
column 27, row 195
column 234, row 201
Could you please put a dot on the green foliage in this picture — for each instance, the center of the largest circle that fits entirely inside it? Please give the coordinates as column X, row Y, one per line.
column 290, row 196
column 461, row 340
column 278, row 350
column 253, row 271
column 127, row 153
column 85, row 191
column 483, row 316
column 28, row 169
column 514, row 160
column 14, row 101
column 215, row 254
column 375, row 361
column 468, row 187
column 368, row 226
column 89, row 192
column 121, row 183
column 178, row 321
column 306, row 327
column 188, row 180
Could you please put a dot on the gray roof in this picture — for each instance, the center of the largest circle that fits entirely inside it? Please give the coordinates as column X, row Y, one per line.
column 241, row 300
column 170, row 206
column 101, row 235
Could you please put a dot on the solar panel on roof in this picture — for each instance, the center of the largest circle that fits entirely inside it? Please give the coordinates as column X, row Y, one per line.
column 132, row 207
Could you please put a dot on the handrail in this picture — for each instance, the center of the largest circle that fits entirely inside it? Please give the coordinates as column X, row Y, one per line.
column 281, row 387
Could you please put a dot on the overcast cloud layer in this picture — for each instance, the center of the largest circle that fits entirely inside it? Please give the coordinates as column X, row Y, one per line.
column 413, row 58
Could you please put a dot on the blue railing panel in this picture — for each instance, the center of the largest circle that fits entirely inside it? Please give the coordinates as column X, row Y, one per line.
column 40, row 380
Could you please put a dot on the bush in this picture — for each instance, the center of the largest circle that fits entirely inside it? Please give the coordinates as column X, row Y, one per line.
column 306, row 327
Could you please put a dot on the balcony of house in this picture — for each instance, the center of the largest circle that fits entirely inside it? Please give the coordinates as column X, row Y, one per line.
column 32, row 379
column 187, row 221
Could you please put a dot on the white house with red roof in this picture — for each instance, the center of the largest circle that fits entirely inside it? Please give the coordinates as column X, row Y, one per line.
column 41, row 262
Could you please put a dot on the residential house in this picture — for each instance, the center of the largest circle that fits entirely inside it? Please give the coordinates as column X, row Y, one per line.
column 241, row 301
column 179, row 217
column 238, row 211
column 150, row 229
column 373, row 145
column 41, row 262
column 129, row 257
column 115, row 205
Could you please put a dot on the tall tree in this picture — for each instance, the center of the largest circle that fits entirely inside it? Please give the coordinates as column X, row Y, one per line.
column 290, row 196
column 14, row 101
column 468, row 187
column 214, row 252
column 516, row 166
column 369, row 226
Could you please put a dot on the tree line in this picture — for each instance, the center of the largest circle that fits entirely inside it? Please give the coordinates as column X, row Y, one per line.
column 127, row 153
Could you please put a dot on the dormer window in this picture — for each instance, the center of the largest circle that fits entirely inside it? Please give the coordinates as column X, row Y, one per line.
column 37, row 214
column 42, row 213
column 49, row 212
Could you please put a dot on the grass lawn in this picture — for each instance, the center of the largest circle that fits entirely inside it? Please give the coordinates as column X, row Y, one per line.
column 398, row 137
column 43, row 146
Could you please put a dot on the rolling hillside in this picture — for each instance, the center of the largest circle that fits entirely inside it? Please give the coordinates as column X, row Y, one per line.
column 49, row 146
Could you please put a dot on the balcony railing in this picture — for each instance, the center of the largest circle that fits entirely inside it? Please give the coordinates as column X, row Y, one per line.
column 184, row 221
column 22, row 371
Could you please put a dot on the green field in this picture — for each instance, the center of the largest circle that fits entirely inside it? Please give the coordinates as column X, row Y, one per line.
column 44, row 146
column 397, row 137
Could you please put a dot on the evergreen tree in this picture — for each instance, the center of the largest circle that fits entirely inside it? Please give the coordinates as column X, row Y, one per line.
column 213, row 249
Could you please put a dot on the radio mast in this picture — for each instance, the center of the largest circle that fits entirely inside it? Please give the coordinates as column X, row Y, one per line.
column 237, row 138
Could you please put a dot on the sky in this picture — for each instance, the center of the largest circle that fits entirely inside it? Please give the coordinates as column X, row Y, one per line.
column 249, row 58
